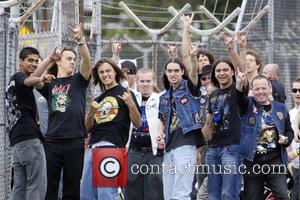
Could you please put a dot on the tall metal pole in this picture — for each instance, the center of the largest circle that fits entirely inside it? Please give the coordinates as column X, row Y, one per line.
column 98, row 31
column 241, row 15
column 60, row 22
column 154, row 53
column 270, row 45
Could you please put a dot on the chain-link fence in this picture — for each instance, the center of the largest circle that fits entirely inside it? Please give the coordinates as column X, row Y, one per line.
column 8, row 50
column 276, row 37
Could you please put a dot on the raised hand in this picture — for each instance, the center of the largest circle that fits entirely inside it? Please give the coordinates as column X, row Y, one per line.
column 116, row 46
column 242, row 39
column 55, row 55
column 194, row 51
column 187, row 20
column 228, row 40
column 172, row 50
column 241, row 80
column 127, row 98
column 77, row 32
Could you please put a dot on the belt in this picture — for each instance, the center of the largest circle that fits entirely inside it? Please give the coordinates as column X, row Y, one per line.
column 142, row 149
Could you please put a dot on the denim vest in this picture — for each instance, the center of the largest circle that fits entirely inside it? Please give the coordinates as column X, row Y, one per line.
column 251, row 128
column 187, row 108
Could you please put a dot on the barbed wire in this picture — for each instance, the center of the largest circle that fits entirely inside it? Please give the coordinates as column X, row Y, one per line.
column 137, row 5
column 136, row 10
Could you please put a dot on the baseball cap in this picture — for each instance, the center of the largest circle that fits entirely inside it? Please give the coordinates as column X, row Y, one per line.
column 128, row 67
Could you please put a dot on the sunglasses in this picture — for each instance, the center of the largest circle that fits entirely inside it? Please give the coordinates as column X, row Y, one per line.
column 129, row 72
column 294, row 90
column 204, row 78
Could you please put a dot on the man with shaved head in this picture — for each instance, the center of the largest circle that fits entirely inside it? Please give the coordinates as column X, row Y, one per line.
column 271, row 72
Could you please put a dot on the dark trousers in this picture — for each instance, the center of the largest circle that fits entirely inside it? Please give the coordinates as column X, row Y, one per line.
column 295, row 195
column 143, row 184
column 257, row 176
column 67, row 155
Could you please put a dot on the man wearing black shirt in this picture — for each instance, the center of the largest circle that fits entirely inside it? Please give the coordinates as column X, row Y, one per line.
column 29, row 161
column 64, row 140
column 223, row 129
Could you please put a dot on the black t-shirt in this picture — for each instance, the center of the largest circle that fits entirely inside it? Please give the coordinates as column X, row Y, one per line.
column 177, row 138
column 226, row 120
column 66, row 104
column 21, row 110
column 112, row 121
column 268, row 140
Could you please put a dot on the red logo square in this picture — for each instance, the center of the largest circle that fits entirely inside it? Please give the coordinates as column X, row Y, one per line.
column 110, row 167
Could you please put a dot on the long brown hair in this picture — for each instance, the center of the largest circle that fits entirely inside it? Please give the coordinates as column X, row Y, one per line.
column 119, row 73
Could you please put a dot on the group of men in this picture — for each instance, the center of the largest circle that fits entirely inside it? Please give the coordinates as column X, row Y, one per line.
column 219, row 114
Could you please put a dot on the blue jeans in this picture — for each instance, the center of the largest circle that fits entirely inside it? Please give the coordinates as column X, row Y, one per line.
column 30, row 175
column 178, row 172
column 88, row 192
column 224, row 180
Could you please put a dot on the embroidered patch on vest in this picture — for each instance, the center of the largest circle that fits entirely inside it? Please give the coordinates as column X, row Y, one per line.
column 196, row 117
column 184, row 100
column 251, row 121
column 280, row 115
column 254, row 109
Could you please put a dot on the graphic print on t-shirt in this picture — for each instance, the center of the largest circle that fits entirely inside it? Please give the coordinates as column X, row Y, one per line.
column 268, row 138
column 11, row 105
column 221, row 103
column 107, row 111
column 60, row 99
column 145, row 127
column 175, row 123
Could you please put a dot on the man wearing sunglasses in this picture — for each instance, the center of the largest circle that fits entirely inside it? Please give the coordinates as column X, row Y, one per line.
column 293, row 150
column 129, row 70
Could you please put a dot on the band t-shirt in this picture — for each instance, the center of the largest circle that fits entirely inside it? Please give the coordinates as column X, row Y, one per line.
column 268, row 140
column 66, row 104
column 21, row 110
column 225, row 118
column 112, row 120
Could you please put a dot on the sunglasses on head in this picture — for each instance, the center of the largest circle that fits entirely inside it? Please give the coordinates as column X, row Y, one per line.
column 294, row 90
